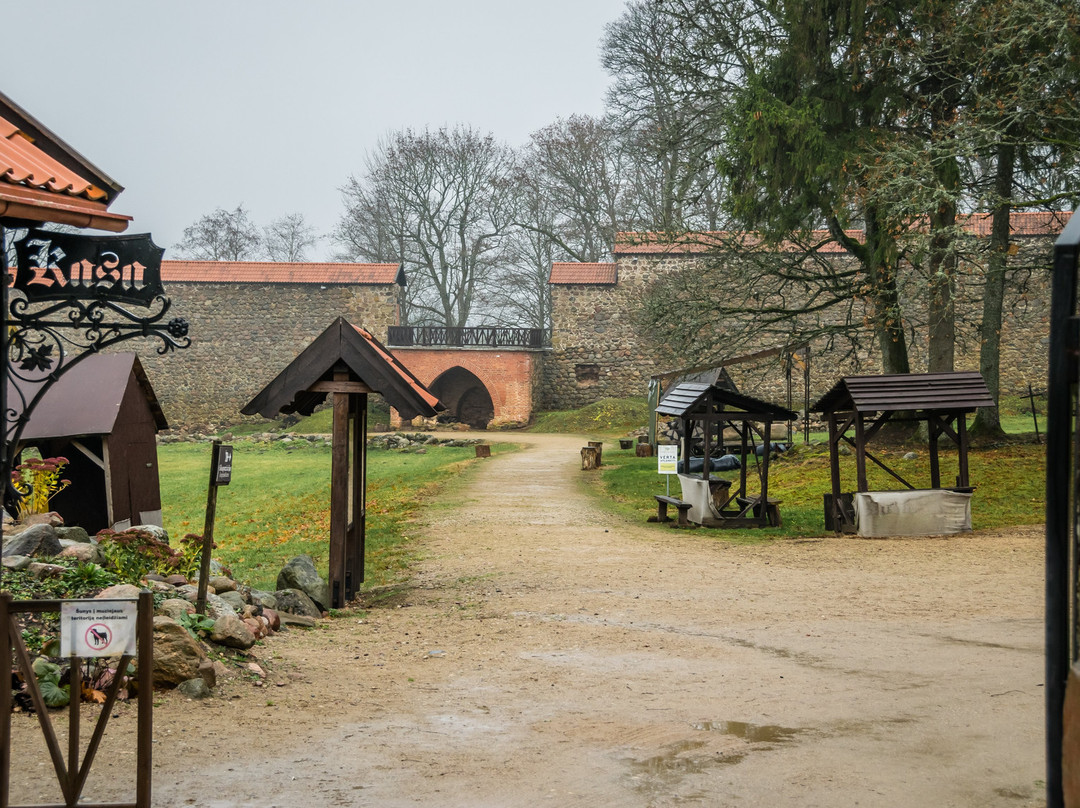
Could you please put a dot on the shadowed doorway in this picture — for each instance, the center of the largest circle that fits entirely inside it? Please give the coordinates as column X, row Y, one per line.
column 466, row 399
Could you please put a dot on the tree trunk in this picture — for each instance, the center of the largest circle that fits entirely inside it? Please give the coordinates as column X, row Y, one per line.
column 988, row 419
column 887, row 313
column 941, row 354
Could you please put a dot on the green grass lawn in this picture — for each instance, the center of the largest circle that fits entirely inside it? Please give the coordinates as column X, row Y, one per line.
column 278, row 503
column 1010, row 484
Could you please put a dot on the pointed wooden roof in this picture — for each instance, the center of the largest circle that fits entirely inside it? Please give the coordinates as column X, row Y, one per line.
column 344, row 346
column 691, row 399
column 962, row 390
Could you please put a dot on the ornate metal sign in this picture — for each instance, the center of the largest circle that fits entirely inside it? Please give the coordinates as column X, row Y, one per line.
column 61, row 266
column 69, row 295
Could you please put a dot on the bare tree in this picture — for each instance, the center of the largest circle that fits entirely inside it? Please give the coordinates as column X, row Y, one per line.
column 575, row 180
column 445, row 199
column 288, row 238
column 654, row 111
column 224, row 235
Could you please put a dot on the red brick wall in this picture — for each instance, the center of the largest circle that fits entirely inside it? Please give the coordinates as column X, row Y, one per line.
column 508, row 376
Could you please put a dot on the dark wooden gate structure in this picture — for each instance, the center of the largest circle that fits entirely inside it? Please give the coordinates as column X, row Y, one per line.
column 1062, row 518
column 348, row 363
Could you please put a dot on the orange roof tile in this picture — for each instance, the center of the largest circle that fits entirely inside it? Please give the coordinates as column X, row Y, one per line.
column 1022, row 223
column 280, row 272
column 566, row 272
column 37, row 186
column 405, row 374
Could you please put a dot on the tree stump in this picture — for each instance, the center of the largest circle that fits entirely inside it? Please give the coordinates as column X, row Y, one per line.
column 644, row 450
column 483, row 450
column 599, row 446
column 590, row 458
column 626, row 443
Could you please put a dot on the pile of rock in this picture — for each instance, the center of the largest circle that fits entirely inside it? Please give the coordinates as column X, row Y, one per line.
column 237, row 616
column 415, row 440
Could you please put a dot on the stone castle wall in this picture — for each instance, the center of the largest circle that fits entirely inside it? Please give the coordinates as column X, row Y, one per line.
column 598, row 352
column 244, row 334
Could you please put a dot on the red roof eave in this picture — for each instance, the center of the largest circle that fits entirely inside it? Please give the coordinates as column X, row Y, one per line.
column 17, row 202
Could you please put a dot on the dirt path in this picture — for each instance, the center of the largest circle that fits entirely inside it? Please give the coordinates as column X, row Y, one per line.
column 551, row 654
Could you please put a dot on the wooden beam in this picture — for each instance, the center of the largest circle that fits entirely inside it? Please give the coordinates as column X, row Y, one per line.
column 339, row 386
column 339, row 499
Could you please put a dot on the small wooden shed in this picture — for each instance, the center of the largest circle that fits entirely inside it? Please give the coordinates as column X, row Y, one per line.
column 350, row 363
column 103, row 416
column 717, row 407
column 864, row 404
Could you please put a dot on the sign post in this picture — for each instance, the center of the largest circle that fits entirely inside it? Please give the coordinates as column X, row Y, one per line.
column 667, row 462
column 220, row 474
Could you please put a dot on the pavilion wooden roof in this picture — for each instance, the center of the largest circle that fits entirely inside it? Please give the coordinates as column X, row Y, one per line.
column 691, row 399
column 344, row 346
column 962, row 391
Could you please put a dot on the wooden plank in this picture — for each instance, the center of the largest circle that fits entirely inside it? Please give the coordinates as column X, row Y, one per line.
column 340, row 387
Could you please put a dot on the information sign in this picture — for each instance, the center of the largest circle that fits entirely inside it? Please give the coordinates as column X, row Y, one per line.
column 667, row 458
column 222, row 464
column 97, row 628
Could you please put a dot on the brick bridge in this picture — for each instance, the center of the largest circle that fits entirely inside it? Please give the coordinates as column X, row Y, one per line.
column 482, row 375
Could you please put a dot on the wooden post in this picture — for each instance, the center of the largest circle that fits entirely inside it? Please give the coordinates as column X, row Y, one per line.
column 5, row 696
column 339, row 497
column 590, row 458
column 144, row 628
column 483, row 450
column 860, row 453
column 355, row 540
column 643, row 450
column 834, row 473
column 208, row 531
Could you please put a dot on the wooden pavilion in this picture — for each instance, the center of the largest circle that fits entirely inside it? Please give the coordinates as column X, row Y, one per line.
column 716, row 407
column 864, row 404
column 349, row 363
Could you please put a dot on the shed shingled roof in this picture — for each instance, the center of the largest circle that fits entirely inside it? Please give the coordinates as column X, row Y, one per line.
column 569, row 272
column 959, row 391
column 281, row 272
column 689, row 398
column 365, row 357
column 98, row 383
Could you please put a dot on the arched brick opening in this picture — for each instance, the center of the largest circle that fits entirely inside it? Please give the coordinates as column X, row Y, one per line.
column 465, row 397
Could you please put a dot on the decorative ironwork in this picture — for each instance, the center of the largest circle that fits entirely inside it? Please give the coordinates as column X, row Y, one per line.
column 404, row 336
column 68, row 296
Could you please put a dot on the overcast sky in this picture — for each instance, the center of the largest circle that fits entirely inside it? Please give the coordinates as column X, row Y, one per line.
column 203, row 104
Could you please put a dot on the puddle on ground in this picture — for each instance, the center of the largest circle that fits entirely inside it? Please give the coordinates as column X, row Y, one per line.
column 752, row 733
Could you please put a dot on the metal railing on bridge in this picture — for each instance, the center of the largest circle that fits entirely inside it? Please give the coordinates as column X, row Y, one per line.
column 407, row 336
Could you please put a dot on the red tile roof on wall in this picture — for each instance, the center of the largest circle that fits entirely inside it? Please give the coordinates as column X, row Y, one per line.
column 280, row 272
column 1022, row 223
column 564, row 272
column 41, row 177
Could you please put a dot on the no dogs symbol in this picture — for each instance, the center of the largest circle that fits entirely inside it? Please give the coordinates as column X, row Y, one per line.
column 98, row 636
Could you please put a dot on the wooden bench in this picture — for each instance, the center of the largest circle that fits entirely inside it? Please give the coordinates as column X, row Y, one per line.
column 662, row 503
column 772, row 508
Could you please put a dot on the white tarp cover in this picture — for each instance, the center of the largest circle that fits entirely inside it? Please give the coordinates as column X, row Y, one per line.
column 698, row 493
column 912, row 513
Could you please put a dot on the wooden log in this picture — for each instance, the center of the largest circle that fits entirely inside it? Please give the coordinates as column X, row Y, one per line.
column 626, row 443
column 483, row 450
column 590, row 458
column 644, row 450
column 599, row 446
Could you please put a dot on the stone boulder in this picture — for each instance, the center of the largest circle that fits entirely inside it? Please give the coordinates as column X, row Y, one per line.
column 36, row 540
column 293, row 601
column 234, row 599
column 260, row 598
column 76, row 534
column 120, row 592
column 194, row 688
column 84, row 553
column 231, row 631
column 300, row 573
column 175, row 607
column 222, row 583
column 159, row 533
column 177, row 656
column 16, row 562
